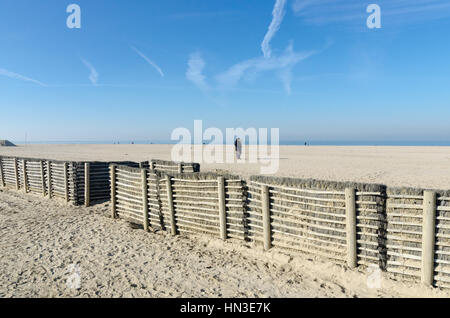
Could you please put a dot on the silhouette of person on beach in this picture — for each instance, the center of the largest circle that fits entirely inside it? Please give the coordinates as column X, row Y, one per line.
column 238, row 147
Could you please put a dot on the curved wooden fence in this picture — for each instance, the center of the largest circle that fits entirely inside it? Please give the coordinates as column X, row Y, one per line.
column 181, row 203
column 403, row 231
column 77, row 182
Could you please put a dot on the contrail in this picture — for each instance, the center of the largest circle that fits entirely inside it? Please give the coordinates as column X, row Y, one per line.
column 279, row 10
column 19, row 77
column 93, row 76
column 149, row 61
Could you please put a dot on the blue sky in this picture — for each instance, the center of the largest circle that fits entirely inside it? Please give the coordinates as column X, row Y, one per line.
column 138, row 69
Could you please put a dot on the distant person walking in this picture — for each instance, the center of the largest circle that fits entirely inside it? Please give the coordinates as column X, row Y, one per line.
column 238, row 147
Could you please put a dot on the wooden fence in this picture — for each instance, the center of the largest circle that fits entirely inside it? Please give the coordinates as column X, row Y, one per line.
column 418, row 235
column 49, row 178
column 336, row 220
column 76, row 182
column 355, row 224
column 181, row 203
column 173, row 167
column 403, row 231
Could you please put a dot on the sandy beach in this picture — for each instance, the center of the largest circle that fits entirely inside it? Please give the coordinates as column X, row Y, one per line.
column 44, row 242
column 355, row 202
column 425, row 167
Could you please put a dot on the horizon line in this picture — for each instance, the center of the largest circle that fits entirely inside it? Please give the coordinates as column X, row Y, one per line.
column 281, row 143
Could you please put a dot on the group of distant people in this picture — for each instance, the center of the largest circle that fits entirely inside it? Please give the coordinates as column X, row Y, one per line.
column 238, row 147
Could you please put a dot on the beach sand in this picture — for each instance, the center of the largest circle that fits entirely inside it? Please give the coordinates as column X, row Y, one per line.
column 426, row 167
column 43, row 239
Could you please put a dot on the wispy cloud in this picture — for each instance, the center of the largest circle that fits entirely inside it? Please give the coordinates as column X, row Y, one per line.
column 282, row 65
column 93, row 76
column 248, row 70
column 194, row 73
column 150, row 62
column 19, row 77
column 394, row 11
column 279, row 10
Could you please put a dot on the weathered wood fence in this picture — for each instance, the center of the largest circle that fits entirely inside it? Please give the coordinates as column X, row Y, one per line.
column 77, row 182
column 180, row 203
column 173, row 167
column 404, row 231
column 49, row 178
column 351, row 223
column 418, row 235
column 331, row 219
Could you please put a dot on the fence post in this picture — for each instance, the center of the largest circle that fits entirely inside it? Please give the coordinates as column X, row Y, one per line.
column 265, row 200
column 87, row 184
column 49, row 176
column 222, row 211
column 158, row 196
column 2, row 172
column 428, row 237
column 25, row 177
column 145, row 197
column 66, row 183
column 42, row 177
column 16, row 172
column 180, row 168
column 112, row 172
column 173, row 228
column 152, row 166
column 350, row 217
